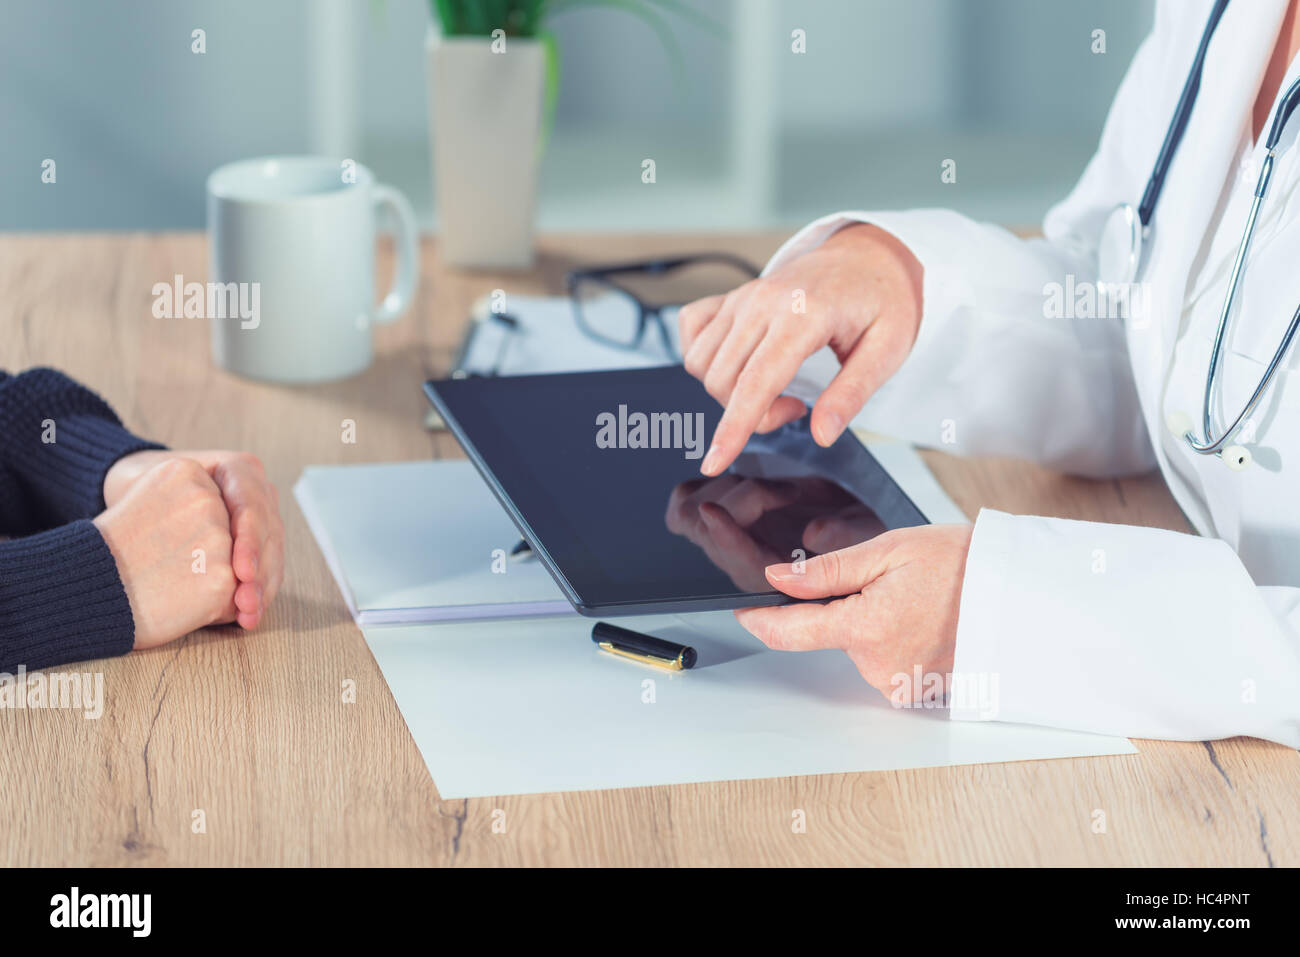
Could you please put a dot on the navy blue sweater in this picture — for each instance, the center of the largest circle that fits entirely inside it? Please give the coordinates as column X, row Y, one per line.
column 60, row 595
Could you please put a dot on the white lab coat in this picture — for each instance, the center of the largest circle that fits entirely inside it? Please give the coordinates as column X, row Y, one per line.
column 1111, row 628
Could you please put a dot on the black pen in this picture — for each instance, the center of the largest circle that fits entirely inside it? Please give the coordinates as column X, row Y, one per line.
column 644, row 648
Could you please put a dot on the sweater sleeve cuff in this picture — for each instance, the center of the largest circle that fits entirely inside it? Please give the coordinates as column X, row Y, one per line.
column 60, row 440
column 61, row 599
column 75, row 464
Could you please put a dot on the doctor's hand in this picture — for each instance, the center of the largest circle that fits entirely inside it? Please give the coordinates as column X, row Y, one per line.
column 859, row 292
column 253, row 518
column 902, row 591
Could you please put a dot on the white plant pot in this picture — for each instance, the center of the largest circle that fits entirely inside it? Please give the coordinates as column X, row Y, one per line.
column 484, row 122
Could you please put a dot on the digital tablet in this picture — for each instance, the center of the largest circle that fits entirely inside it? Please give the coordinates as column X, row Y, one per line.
column 601, row 473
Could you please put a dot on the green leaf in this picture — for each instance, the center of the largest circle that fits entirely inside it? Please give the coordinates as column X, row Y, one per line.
column 688, row 12
column 445, row 11
column 638, row 8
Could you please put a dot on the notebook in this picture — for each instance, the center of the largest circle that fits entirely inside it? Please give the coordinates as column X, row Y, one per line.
column 421, row 542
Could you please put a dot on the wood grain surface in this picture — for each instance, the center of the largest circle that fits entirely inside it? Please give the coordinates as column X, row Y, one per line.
column 251, row 728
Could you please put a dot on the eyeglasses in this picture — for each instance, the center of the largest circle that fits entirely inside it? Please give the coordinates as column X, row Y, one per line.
column 610, row 308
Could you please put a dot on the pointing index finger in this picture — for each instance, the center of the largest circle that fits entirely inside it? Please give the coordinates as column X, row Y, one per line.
column 769, row 370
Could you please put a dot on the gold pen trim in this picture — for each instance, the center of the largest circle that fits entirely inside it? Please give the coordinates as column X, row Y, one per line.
column 674, row 664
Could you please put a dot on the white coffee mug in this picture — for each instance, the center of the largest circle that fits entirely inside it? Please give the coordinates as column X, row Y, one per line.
column 296, row 237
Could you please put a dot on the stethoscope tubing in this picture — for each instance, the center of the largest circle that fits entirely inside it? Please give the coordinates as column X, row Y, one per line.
column 1210, row 445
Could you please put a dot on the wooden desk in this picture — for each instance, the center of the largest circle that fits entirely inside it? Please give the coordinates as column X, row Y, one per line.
column 252, row 730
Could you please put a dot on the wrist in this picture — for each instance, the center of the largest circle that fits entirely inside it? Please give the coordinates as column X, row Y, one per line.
column 892, row 261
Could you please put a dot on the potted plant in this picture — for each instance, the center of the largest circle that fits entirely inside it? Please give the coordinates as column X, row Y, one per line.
column 493, row 71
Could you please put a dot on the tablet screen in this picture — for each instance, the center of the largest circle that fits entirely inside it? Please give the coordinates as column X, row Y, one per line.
column 601, row 472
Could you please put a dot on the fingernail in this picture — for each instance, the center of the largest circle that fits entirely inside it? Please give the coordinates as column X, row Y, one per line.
column 781, row 573
column 710, row 464
column 832, row 426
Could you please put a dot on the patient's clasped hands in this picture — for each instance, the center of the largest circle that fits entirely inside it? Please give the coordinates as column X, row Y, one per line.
column 197, row 538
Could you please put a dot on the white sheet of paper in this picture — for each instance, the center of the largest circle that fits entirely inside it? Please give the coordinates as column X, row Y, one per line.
column 514, row 707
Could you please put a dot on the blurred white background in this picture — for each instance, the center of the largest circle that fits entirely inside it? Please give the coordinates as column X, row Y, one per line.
column 749, row 135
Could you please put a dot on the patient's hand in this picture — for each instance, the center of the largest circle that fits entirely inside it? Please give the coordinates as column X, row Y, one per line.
column 253, row 520
column 862, row 293
column 153, row 531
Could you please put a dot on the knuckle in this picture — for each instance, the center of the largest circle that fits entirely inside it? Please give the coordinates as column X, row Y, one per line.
column 173, row 471
column 854, row 395
column 750, row 380
column 830, row 565
column 212, row 512
column 717, row 383
column 250, row 461
column 691, row 315
column 886, row 543
column 189, row 469
column 766, row 296
column 695, row 364
column 219, row 542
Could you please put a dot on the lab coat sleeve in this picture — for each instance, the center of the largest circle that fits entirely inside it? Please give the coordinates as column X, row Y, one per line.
column 1010, row 358
column 1122, row 630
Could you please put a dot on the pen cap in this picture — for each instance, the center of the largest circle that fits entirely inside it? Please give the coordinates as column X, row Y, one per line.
column 604, row 631
column 629, row 640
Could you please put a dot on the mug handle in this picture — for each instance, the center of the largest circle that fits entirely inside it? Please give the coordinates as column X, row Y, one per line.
column 398, row 300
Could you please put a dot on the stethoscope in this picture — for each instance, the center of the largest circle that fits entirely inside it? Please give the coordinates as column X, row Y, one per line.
column 1128, row 230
